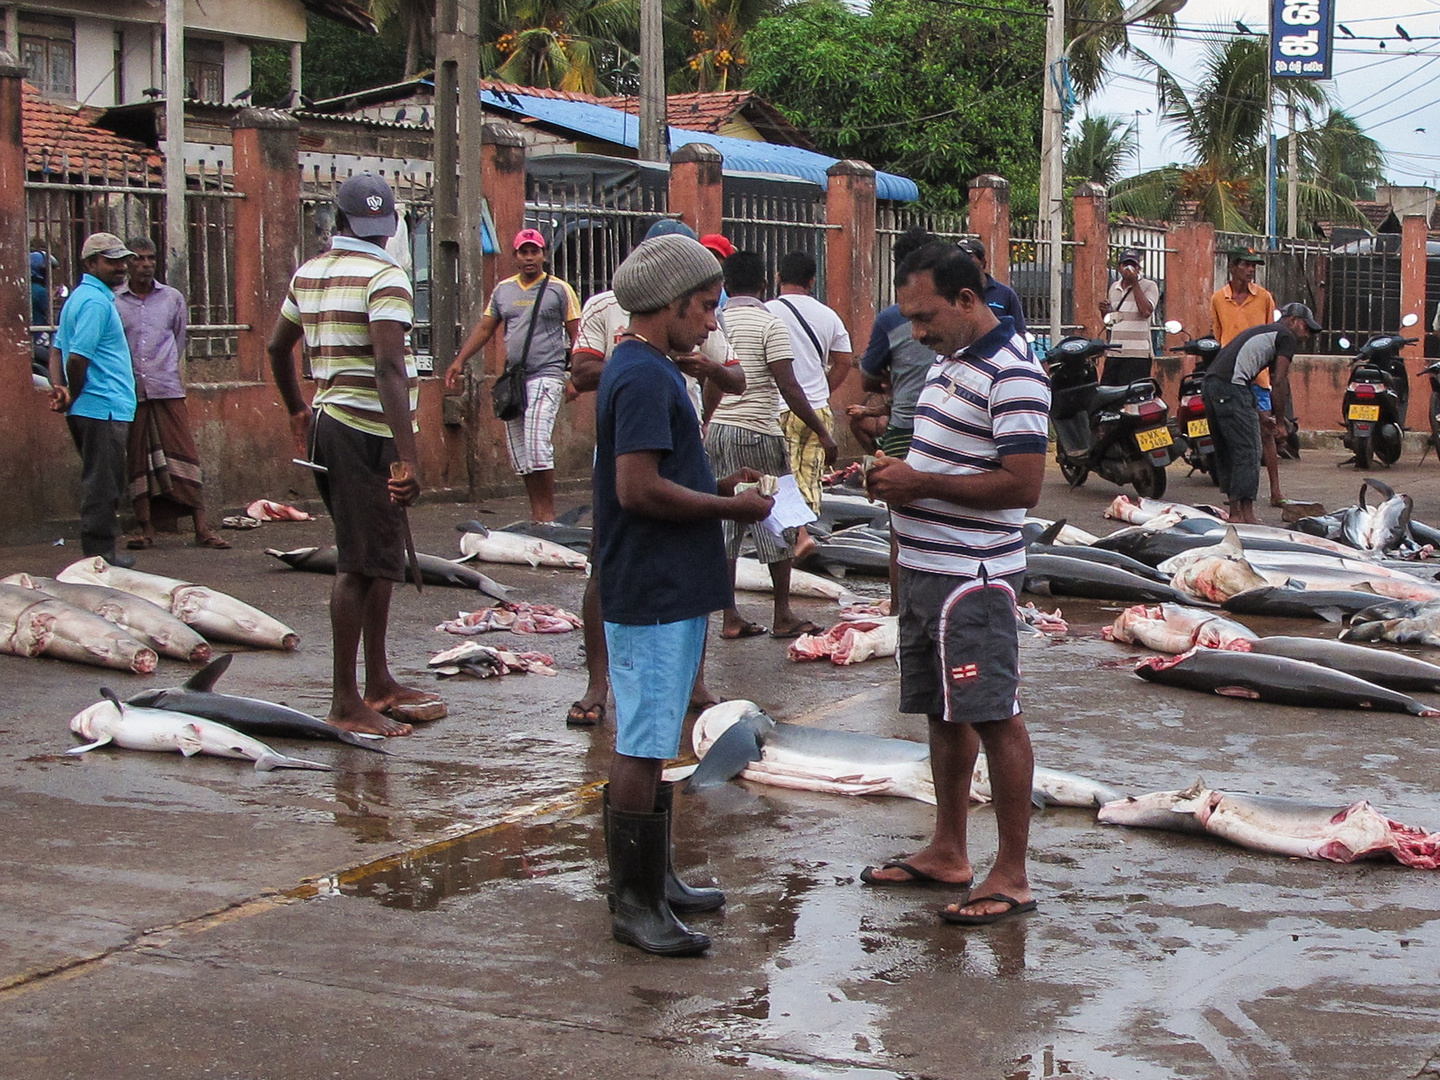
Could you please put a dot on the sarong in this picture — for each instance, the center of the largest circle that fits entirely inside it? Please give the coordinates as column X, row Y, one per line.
column 163, row 462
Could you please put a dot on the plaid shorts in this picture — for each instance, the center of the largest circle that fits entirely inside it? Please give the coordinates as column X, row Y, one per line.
column 529, row 439
column 807, row 456
column 731, row 448
column 959, row 647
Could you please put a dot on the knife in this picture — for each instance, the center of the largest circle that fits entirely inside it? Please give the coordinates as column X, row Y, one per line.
column 401, row 471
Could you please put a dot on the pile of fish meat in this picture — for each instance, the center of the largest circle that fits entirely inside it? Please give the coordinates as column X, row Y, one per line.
column 1048, row 623
column 518, row 618
column 136, row 727
column 483, row 661
column 265, row 510
column 1175, row 628
column 94, row 613
column 1340, row 834
column 849, row 642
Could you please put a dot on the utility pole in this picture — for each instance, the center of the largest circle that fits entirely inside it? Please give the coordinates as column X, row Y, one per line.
column 1292, row 183
column 1052, row 158
column 177, row 242
column 455, row 270
column 654, row 127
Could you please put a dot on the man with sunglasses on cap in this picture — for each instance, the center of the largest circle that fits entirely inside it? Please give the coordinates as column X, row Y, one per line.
column 1230, row 401
column 999, row 297
column 94, row 386
column 352, row 306
column 549, row 332
column 1127, row 310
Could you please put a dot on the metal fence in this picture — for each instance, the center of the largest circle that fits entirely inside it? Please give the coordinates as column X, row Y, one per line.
column 1351, row 294
column 1151, row 243
column 68, row 198
column 591, row 226
column 893, row 221
column 410, row 246
column 774, row 225
column 1030, row 277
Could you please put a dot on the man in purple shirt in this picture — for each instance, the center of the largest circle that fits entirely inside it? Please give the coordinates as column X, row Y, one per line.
column 164, row 466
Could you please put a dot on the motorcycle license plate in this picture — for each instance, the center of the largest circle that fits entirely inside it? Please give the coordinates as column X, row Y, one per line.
column 1196, row 428
column 1153, row 439
column 1363, row 412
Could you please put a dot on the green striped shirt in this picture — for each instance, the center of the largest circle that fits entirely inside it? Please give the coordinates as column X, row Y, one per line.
column 334, row 298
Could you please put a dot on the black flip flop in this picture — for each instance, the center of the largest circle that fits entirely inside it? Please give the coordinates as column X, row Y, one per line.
column 1013, row 907
column 803, row 628
column 750, row 629
column 917, row 877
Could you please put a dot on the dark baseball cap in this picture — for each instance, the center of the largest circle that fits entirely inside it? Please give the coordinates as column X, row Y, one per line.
column 973, row 247
column 669, row 227
column 1303, row 313
column 1246, row 254
column 368, row 205
column 1129, row 255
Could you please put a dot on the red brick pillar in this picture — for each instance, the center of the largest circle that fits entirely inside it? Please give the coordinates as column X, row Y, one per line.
column 990, row 220
column 1092, row 257
column 696, row 187
column 502, row 179
column 33, row 435
column 1413, row 235
column 1189, row 277
column 850, row 259
column 267, row 227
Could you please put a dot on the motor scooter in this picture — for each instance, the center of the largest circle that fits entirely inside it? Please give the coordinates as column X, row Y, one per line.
column 1120, row 432
column 1376, row 398
column 1199, row 445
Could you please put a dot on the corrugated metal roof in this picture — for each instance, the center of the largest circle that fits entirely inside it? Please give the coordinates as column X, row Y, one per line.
column 622, row 129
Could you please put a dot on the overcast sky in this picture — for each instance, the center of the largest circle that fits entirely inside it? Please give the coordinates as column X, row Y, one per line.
column 1391, row 92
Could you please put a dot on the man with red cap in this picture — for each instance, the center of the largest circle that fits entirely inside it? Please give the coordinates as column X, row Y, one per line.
column 540, row 314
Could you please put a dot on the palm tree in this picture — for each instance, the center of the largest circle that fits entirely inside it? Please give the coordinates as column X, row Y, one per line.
column 1099, row 150
column 1097, row 39
column 715, row 49
column 1223, row 121
column 414, row 20
column 562, row 44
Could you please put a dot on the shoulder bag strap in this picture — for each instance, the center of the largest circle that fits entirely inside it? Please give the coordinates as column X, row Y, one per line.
column 820, row 350
column 530, row 330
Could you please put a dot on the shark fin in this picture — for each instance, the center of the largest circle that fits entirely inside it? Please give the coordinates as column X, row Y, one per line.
column 572, row 517
column 204, row 680
column 1049, row 536
column 727, row 757
column 472, row 526
column 189, row 740
column 103, row 740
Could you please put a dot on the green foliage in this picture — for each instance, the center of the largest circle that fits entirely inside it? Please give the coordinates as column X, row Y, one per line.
column 334, row 60
column 1098, row 150
column 935, row 93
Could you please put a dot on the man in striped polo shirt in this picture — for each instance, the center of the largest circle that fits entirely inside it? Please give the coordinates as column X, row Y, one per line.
column 975, row 465
column 353, row 306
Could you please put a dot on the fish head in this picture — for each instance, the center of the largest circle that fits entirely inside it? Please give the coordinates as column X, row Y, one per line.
column 718, row 719
column 96, row 720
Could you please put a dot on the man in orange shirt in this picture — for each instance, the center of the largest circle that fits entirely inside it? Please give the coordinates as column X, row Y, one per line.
column 1235, row 307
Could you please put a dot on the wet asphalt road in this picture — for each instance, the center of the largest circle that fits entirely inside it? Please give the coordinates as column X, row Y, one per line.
column 435, row 913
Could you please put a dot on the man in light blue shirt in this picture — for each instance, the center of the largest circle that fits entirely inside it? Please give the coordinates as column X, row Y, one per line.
column 95, row 387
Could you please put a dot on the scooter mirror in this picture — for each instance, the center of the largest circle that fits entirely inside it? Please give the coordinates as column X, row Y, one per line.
column 1410, row 320
column 1173, row 326
column 1275, row 316
column 1343, row 342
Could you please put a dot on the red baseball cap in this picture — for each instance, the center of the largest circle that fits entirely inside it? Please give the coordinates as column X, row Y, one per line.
column 528, row 236
column 718, row 244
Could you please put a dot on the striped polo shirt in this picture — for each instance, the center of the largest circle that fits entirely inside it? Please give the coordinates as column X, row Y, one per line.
column 334, row 298
column 759, row 339
column 989, row 400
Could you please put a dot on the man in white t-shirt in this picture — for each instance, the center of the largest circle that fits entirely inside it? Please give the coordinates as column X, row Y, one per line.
column 823, row 359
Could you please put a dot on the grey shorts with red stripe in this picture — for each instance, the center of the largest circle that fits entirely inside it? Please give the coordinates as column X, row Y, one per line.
column 959, row 646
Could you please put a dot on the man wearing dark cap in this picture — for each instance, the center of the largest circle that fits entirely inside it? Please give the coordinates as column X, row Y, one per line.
column 999, row 297
column 94, row 387
column 1127, row 310
column 662, row 567
column 540, row 314
column 1230, row 401
column 353, row 305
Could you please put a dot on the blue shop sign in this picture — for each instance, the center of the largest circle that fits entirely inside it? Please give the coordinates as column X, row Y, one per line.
column 1302, row 38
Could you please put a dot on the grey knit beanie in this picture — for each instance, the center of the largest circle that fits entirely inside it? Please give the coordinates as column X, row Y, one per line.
column 661, row 270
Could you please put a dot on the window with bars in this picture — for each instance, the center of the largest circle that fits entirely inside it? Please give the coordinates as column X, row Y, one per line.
column 204, row 69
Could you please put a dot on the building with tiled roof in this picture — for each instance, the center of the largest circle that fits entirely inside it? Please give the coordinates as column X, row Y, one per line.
column 63, row 141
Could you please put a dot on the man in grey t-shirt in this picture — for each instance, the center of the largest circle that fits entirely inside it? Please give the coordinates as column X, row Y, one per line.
column 555, row 322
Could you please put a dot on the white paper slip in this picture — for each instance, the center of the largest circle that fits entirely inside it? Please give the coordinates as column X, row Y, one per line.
column 791, row 510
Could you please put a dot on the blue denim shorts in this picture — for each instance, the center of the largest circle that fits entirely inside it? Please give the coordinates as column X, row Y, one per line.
column 652, row 671
column 1262, row 398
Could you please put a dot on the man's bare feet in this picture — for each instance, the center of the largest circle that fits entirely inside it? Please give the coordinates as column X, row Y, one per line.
column 904, row 871
column 366, row 721
column 992, row 886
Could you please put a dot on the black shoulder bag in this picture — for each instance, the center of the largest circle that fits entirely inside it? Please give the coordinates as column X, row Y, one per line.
column 508, row 395
column 820, row 350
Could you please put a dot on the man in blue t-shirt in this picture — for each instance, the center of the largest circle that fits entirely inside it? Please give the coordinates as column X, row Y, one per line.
column 999, row 297
column 94, row 386
column 662, row 568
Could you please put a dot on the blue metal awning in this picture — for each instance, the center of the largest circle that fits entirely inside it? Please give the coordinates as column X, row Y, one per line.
column 744, row 155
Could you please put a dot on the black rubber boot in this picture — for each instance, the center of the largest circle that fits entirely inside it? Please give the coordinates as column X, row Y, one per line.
column 638, row 846
column 682, row 897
